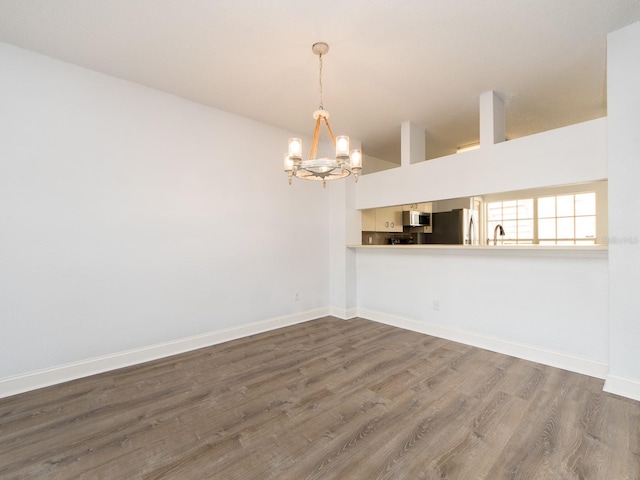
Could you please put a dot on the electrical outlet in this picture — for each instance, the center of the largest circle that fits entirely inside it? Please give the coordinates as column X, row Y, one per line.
column 436, row 305
column 296, row 296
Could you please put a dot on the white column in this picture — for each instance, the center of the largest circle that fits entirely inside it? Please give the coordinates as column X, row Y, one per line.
column 492, row 123
column 412, row 144
column 623, row 125
column 346, row 229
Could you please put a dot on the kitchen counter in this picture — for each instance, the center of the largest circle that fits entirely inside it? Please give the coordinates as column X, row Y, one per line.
column 592, row 251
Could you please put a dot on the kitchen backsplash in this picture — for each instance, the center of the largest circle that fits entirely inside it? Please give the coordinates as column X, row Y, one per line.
column 385, row 238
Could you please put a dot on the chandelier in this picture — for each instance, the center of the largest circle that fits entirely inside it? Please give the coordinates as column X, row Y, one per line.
column 315, row 168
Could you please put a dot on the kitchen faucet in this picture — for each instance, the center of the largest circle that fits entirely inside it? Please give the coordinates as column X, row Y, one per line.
column 495, row 233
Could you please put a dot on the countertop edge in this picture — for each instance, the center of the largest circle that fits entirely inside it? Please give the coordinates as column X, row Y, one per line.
column 590, row 251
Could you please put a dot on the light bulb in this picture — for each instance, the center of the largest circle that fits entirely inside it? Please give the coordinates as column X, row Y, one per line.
column 356, row 158
column 295, row 148
column 342, row 146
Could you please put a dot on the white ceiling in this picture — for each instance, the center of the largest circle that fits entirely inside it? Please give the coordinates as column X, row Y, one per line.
column 390, row 61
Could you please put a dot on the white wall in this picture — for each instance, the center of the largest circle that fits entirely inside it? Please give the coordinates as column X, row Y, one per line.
column 623, row 99
column 129, row 217
column 372, row 164
column 547, row 308
column 551, row 309
column 572, row 154
column 346, row 229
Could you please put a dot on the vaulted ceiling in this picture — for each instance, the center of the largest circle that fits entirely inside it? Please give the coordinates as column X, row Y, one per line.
column 426, row 61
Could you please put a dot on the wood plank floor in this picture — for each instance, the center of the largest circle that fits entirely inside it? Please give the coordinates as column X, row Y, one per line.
column 327, row 399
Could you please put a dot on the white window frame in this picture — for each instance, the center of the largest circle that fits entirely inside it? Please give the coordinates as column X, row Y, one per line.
column 565, row 240
column 517, row 240
column 600, row 189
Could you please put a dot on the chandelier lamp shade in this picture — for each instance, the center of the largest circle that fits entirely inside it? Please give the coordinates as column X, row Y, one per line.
column 323, row 169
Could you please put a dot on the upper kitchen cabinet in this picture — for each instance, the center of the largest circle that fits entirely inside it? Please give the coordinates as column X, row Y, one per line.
column 420, row 207
column 388, row 219
column 369, row 220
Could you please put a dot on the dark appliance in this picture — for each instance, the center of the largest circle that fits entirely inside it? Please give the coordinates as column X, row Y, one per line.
column 457, row 227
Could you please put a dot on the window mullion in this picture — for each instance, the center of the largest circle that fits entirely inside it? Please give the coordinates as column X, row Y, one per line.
column 536, row 240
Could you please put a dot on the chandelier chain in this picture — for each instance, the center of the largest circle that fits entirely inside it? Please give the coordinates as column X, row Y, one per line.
column 320, row 81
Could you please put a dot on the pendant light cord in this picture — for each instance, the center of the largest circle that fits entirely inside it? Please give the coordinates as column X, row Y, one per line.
column 321, row 102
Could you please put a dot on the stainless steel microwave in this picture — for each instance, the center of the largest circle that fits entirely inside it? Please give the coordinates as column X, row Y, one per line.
column 414, row 218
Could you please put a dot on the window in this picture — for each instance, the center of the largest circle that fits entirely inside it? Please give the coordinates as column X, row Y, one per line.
column 567, row 219
column 550, row 220
column 516, row 217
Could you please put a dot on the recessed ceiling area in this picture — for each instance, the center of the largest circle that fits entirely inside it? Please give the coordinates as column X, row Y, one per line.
column 389, row 62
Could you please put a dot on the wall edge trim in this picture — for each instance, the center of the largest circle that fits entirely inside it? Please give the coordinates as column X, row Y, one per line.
column 623, row 386
column 343, row 314
column 72, row 371
column 565, row 361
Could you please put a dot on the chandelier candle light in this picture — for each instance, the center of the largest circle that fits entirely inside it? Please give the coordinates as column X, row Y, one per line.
column 322, row 168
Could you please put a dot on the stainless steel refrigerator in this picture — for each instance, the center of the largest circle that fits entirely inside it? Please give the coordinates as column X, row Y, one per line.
column 457, row 227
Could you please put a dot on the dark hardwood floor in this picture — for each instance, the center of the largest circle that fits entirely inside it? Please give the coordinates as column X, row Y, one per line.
column 327, row 399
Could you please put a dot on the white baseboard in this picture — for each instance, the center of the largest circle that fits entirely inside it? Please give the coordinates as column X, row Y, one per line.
column 43, row 378
column 624, row 386
column 64, row 373
column 343, row 314
column 573, row 363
